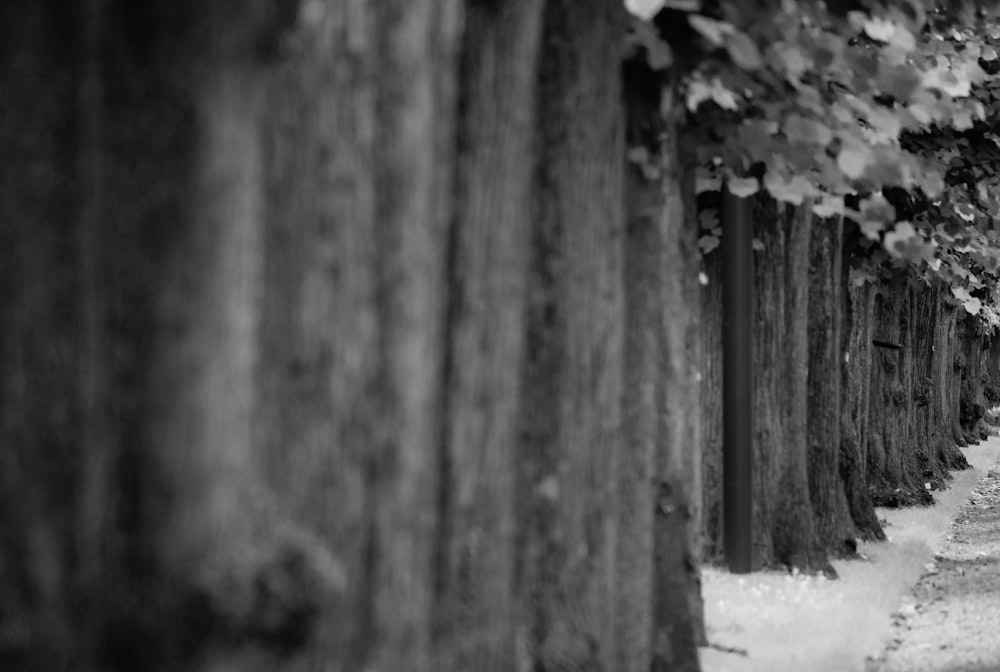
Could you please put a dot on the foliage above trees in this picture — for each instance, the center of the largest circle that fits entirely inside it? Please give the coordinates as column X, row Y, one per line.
column 883, row 113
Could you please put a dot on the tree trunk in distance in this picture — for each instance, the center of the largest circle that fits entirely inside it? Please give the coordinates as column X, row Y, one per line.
column 894, row 476
column 710, row 402
column 857, row 302
column 946, row 345
column 784, row 525
column 827, row 487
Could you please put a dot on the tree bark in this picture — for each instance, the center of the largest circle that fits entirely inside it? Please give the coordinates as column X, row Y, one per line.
column 489, row 252
column 784, row 526
column 658, row 550
column 894, row 475
column 41, row 380
column 710, row 402
column 944, row 448
column 573, row 376
column 827, row 487
column 857, row 306
column 361, row 163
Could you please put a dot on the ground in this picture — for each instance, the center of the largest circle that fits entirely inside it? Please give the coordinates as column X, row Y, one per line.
column 952, row 620
column 776, row 622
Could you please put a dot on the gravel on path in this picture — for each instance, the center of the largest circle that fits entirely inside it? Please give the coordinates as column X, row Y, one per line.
column 951, row 622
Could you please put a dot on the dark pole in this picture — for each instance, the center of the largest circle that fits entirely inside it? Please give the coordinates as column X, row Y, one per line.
column 737, row 382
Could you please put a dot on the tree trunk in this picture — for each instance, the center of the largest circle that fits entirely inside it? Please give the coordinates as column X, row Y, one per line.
column 489, row 253
column 857, row 305
column 661, row 419
column 41, row 380
column 827, row 487
column 784, row 526
column 894, row 475
column 944, row 448
column 710, row 402
column 573, row 380
column 315, row 356
column 352, row 382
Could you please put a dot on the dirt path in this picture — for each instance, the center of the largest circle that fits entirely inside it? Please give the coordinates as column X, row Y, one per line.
column 951, row 621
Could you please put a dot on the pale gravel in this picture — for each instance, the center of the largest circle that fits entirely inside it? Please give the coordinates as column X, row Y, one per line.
column 951, row 623
column 776, row 622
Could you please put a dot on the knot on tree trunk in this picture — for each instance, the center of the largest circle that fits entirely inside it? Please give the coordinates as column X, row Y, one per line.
column 922, row 391
column 271, row 591
column 268, row 593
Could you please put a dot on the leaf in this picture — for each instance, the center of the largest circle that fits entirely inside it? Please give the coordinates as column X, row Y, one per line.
column 742, row 187
column 971, row 304
column 792, row 191
column 961, row 293
column 644, row 9
column 895, row 240
column 743, row 51
column 948, row 81
column 962, row 121
column 858, row 277
column 921, row 114
column 799, row 129
column 795, row 62
column 933, row 184
column 966, row 211
column 712, row 30
column 828, row 207
column 879, row 29
column 871, row 228
column 852, row 161
column 899, row 82
column 699, row 91
column 903, row 40
column 707, row 243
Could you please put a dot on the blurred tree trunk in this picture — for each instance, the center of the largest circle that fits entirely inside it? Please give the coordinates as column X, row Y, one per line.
column 479, row 616
column 658, row 547
column 353, row 379
column 316, row 356
column 44, row 414
column 573, row 380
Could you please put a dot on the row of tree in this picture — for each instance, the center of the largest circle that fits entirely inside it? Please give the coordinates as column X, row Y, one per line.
column 377, row 335
column 327, row 344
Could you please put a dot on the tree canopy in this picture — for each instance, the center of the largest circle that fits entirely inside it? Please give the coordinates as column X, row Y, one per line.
column 884, row 113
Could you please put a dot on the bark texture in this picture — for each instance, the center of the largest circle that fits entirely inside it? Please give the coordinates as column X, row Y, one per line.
column 661, row 419
column 315, row 353
column 856, row 376
column 573, row 378
column 785, row 530
column 490, row 248
column 827, row 469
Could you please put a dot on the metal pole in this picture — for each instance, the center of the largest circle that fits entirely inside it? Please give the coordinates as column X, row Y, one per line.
column 737, row 382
